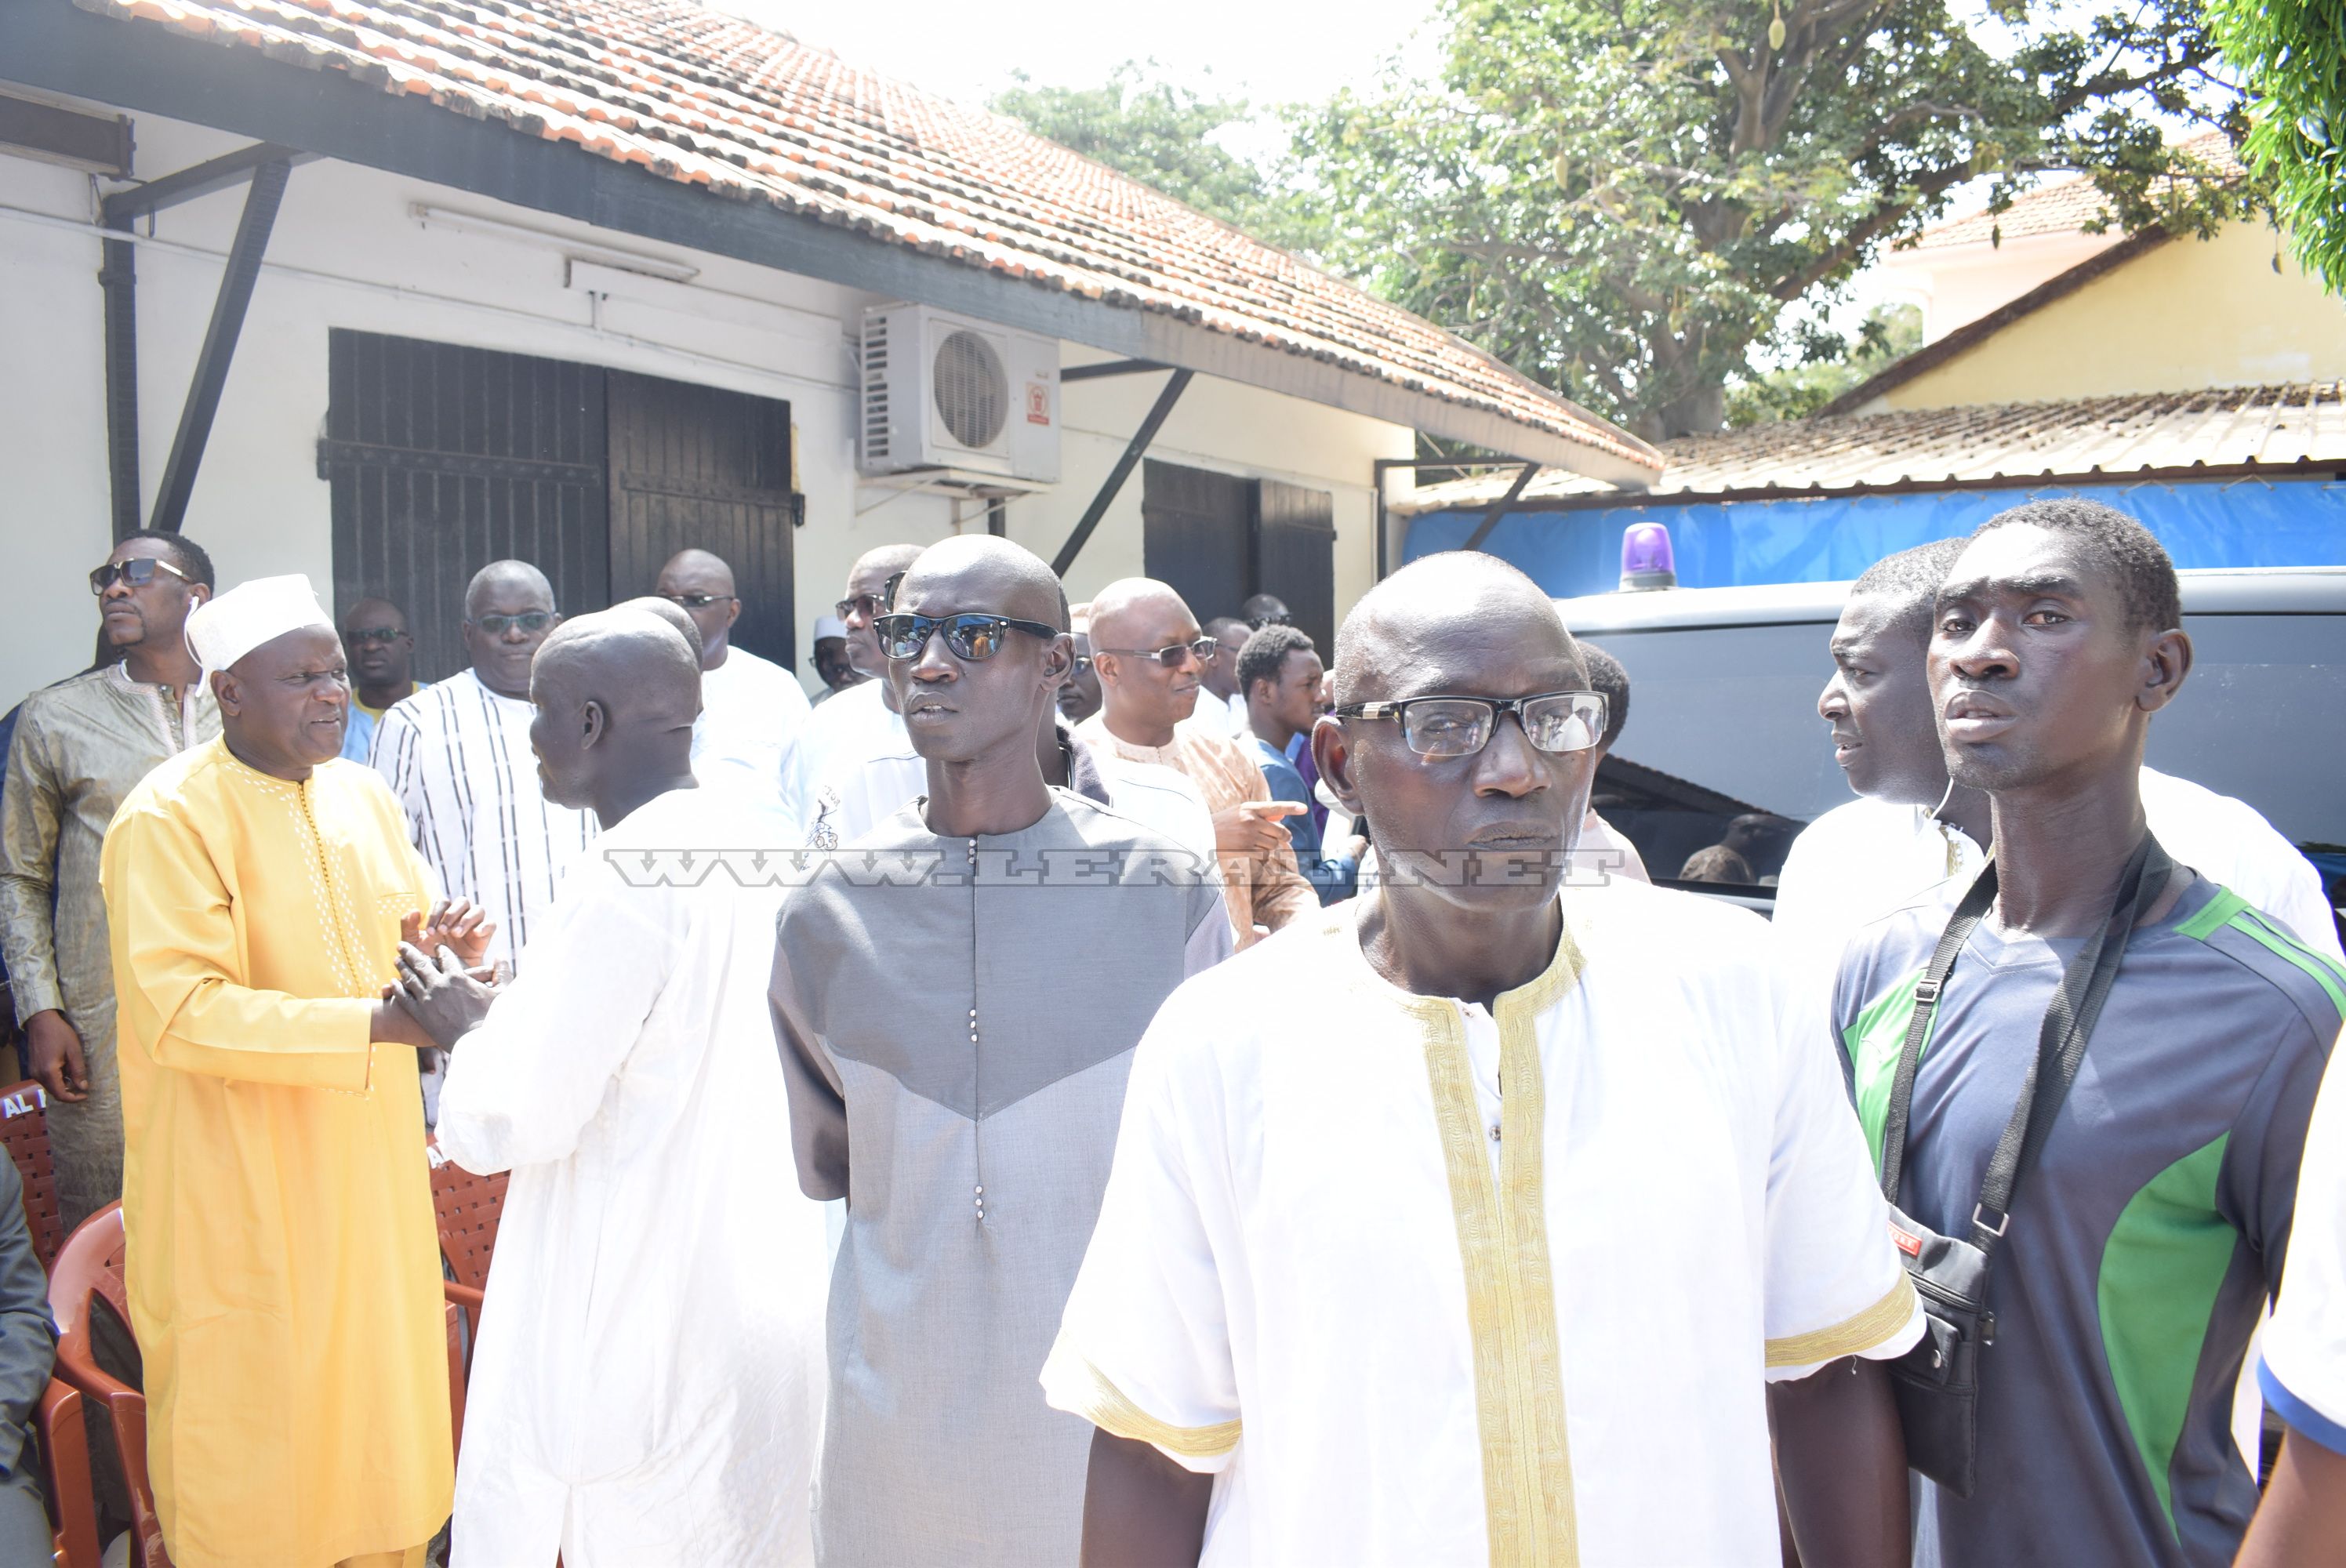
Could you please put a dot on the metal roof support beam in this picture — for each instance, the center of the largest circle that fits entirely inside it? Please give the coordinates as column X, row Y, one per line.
column 204, row 388
column 1174, row 386
column 201, row 179
column 1110, row 368
column 1499, row 507
column 117, row 282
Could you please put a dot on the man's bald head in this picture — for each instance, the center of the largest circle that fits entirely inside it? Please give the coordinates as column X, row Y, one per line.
column 504, row 580
column 867, row 584
column 669, row 612
column 1132, row 602
column 616, row 694
column 989, row 575
column 1438, row 614
column 700, row 569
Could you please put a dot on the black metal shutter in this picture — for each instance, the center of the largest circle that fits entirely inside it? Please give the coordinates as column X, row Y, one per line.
column 698, row 467
column 1295, row 556
column 442, row 459
column 1196, row 533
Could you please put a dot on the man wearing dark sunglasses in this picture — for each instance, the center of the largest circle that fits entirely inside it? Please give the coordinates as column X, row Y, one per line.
column 752, row 708
column 79, row 747
column 382, row 652
column 1476, row 1149
column 975, row 1161
column 854, row 763
column 1151, row 656
column 458, row 760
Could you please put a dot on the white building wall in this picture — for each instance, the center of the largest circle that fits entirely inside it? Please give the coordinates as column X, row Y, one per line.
column 346, row 252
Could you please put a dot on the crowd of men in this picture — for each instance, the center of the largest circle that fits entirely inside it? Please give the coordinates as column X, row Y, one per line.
column 1097, row 1086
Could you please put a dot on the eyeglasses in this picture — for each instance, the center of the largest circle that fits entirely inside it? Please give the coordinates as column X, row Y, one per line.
column 1083, row 665
column 697, row 601
column 868, row 605
column 139, row 571
column 528, row 621
column 361, row 636
column 1463, row 726
column 969, row 636
column 1172, row 656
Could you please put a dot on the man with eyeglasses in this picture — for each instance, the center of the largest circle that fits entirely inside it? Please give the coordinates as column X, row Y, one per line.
column 1221, row 698
column 972, row 1167
column 457, row 758
column 383, row 657
column 1485, row 1217
column 752, row 708
column 1149, row 652
column 855, row 762
column 79, row 747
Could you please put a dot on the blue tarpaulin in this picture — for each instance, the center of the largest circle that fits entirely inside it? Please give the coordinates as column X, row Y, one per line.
column 2238, row 522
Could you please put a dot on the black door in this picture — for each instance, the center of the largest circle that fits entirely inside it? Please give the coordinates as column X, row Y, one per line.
column 1219, row 541
column 1196, row 533
column 696, row 467
column 1295, row 556
column 442, row 459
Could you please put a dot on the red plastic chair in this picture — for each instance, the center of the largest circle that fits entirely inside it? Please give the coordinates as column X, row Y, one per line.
column 468, row 1207
column 64, row 1472
column 92, row 1263
column 25, row 1128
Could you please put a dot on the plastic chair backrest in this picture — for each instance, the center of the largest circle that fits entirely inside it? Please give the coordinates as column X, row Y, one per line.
column 25, row 1128
column 468, row 1207
column 91, row 1263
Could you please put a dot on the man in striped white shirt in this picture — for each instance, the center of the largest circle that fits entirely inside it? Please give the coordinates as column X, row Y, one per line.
column 458, row 759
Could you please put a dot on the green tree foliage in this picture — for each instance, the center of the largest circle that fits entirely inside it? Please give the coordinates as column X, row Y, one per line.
column 1162, row 135
column 1622, row 196
column 2293, row 54
column 1829, row 365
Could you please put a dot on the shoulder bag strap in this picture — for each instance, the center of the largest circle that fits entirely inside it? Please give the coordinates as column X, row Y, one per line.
column 1975, row 904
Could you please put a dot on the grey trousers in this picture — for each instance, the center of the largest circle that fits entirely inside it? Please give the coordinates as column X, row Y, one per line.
column 24, row 1525
column 86, row 1137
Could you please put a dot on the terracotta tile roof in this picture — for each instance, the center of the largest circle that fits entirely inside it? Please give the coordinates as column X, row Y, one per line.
column 2268, row 427
column 752, row 114
column 2063, row 206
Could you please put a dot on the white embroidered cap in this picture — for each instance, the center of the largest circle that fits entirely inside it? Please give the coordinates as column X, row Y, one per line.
column 227, row 629
column 829, row 627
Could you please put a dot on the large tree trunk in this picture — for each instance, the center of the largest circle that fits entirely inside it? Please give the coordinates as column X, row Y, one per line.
column 1701, row 412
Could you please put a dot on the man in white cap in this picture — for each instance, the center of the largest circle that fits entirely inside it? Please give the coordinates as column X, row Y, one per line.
column 752, row 709
column 283, row 1264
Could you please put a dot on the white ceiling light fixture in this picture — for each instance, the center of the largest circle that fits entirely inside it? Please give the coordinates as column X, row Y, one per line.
column 574, row 250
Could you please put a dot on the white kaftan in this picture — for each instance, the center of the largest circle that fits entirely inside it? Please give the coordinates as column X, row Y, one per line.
column 746, row 738
column 648, row 1384
column 1405, row 1320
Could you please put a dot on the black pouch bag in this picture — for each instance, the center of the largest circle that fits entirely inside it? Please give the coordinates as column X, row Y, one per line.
column 1936, row 1384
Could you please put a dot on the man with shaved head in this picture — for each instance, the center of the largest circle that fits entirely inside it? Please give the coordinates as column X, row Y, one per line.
column 752, row 709
column 1222, row 697
column 456, row 755
column 1485, row 1217
column 648, row 1385
column 855, row 761
column 1151, row 658
column 1914, row 827
column 382, row 670
column 275, row 1201
column 972, row 1166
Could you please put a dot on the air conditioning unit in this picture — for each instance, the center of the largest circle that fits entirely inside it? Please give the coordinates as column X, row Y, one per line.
column 946, row 392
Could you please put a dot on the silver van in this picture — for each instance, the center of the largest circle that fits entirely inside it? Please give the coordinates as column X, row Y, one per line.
column 1724, row 745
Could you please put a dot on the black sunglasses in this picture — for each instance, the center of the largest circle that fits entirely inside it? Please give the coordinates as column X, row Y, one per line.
column 697, row 601
column 1172, row 656
column 969, row 636
column 139, row 571
column 528, row 621
column 865, row 604
column 361, row 636
column 1082, row 666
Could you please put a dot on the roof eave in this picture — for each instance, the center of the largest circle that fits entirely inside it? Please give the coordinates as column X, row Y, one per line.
column 155, row 70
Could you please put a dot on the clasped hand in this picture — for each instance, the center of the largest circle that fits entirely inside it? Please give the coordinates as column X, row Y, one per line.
column 440, row 983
